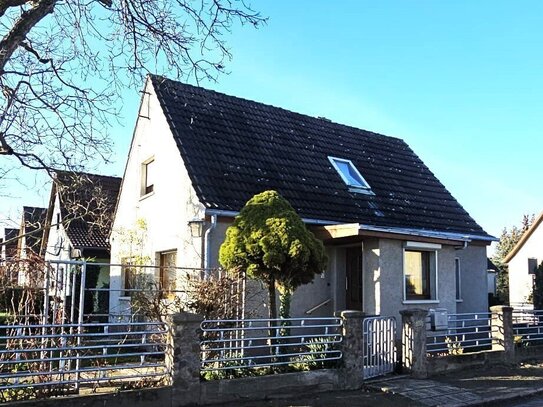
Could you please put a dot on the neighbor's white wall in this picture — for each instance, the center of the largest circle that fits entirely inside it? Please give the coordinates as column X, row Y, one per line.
column 520, row 282
column 167, row 209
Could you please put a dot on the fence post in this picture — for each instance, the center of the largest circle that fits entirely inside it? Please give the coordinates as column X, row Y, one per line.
column 502, row 332
column 414, row 341
column 352, row 349
column 183, row 358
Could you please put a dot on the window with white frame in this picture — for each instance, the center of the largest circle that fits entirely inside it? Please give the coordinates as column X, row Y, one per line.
column 420, row 274
column 350, row 174
column 148, row 177
column 458, row 279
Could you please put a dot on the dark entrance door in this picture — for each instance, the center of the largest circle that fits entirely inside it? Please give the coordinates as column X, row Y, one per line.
column 354, row 278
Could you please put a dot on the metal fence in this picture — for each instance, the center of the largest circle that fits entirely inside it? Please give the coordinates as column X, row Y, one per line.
column 467, row 332
column 528, row 326
column 60, row 358
column 243, row 344
column 379, row 346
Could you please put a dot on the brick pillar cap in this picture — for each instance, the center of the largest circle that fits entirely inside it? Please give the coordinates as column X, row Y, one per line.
column 349, row 314
column 186, row 317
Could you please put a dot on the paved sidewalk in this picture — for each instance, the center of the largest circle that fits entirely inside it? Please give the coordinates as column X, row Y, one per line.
column 473, row 387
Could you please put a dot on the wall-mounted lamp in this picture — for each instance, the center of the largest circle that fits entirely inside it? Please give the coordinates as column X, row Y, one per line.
column 196, row 227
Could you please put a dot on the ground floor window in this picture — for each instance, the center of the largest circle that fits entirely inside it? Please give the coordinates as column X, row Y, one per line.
column 168, row 273
column 129, row 276
column 420, row 273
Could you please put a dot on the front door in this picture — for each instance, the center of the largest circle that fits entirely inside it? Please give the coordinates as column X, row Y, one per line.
column 354, row 278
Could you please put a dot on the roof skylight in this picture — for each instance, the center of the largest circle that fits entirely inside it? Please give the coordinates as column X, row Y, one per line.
column 350, row 175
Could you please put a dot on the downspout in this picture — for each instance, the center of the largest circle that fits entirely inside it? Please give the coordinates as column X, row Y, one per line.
column 207, row 244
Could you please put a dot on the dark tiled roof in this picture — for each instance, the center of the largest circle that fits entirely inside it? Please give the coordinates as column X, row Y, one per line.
column 234, row 148
column 87, row 205
column 33, row 223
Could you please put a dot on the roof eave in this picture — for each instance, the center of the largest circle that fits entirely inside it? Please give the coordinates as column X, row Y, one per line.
column 447, row 236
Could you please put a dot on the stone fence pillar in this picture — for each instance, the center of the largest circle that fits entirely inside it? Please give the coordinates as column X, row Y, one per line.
column 352, row 349
column 414, row 341
column 183, row 358
column 502, row 331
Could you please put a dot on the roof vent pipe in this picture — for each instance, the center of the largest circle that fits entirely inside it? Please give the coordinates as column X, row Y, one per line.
column 207, row 244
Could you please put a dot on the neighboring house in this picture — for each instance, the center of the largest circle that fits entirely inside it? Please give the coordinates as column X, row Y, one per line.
column 30, row 237
column 395, row 237
column 522, row 260
column 8, row 251
column 31, row 230
column 79, row 222
column 9, row 246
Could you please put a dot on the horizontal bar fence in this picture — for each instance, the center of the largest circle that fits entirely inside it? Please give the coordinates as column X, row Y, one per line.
column 466, row 332
column 528, row 326
column 251, row 343
column 59, row 358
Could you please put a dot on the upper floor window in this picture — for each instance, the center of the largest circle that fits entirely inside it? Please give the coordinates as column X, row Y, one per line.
column 148, row 177
column 350, row 174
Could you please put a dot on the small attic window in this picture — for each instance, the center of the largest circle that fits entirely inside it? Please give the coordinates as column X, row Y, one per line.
column 350, row 175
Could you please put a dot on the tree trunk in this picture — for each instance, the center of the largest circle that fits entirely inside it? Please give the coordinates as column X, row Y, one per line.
column 272, row 312
column 285, row 297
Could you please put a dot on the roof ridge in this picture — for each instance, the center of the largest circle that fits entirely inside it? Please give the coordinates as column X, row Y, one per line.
column 86, row 173
column 233, row 148
column 320, row 119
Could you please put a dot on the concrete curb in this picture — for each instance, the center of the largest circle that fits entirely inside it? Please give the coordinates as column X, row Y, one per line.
column 483, row 399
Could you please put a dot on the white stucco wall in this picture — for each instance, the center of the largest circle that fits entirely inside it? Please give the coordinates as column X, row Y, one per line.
column 520, row 281
column 167, row 210
column 58, row 244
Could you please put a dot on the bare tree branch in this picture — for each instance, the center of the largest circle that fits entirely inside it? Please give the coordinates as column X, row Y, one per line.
column 64, row 65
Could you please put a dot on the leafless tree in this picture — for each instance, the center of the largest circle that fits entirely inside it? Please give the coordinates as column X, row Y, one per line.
column 63, row 65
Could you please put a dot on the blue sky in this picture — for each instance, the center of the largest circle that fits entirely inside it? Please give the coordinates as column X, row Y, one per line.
column 460, row 81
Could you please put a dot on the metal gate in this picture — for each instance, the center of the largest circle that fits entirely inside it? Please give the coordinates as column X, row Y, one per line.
column 379, row 346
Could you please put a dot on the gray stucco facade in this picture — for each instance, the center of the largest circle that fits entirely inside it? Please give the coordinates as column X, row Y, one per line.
column 383, row 278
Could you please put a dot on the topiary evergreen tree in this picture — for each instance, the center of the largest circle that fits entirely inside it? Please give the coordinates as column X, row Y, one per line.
column 272, row 244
